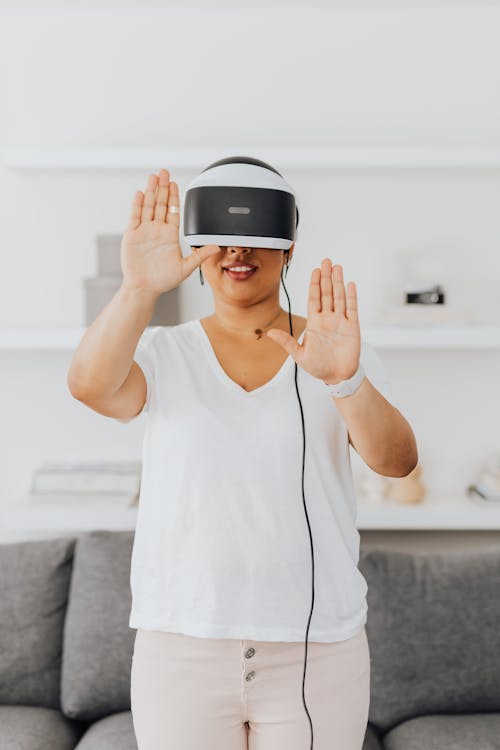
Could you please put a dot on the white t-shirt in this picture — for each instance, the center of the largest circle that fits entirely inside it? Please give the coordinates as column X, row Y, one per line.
column 222, row 547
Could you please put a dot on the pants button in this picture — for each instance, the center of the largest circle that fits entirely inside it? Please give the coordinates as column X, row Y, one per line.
column 250, row 652
column 250, row 676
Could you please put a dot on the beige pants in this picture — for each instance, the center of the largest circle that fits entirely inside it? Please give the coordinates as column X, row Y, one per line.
column 192, row 693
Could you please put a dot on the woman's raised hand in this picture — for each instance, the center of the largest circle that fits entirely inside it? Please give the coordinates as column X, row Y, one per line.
column 332, row 342
column 151, row 255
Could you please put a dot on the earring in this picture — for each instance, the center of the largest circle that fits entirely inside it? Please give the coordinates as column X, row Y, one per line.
column 202, row 280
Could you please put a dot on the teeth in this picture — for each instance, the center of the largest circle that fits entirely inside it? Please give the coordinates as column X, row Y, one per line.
column 240, row 268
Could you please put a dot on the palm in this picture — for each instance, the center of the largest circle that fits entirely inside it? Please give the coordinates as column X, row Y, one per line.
column 332, row 340
column 151, row 254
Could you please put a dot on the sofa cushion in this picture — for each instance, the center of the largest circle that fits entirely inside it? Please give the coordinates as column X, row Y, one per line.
column 433, row 632
column 32, row 728
column 115, row 732
column 446, row 732
column 98, row 642
column 372, row 741
column 34, row 584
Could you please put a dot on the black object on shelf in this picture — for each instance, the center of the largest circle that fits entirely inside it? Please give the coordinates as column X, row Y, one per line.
column 433, row 295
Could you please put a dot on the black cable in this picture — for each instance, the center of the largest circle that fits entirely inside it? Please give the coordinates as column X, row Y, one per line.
column 305, row 510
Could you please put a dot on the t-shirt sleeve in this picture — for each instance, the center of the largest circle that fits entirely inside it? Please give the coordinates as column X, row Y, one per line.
column 145, row 357
column 376, row 373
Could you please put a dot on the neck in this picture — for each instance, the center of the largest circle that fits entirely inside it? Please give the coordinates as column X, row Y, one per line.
column 248, row 320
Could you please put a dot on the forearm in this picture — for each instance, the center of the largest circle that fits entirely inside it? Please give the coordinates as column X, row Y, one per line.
column 104, row 356
column 378, row 431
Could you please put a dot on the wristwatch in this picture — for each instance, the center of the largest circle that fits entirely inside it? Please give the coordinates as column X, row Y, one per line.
column 349, row 386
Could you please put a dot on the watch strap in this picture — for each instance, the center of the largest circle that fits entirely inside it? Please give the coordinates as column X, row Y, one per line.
column 349, row 386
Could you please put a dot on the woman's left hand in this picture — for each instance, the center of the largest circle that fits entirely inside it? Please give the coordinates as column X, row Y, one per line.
column 332, row 339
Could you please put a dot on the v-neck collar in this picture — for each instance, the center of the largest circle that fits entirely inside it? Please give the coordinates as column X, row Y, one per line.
column 224, row 377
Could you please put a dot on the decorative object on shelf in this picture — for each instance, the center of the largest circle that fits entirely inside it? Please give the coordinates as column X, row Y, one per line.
column 424, row 298
column 486, row 490
column 407, row 490
column 81, row 482
column 373, row 486
column 100, row 289
column 376, row 488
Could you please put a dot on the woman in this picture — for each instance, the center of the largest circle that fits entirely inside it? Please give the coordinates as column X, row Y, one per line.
column 221, row 565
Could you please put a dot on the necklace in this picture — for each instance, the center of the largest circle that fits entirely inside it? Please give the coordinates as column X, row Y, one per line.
column 257, row 331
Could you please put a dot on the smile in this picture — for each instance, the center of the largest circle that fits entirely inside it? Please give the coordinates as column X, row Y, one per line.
column 239, row 275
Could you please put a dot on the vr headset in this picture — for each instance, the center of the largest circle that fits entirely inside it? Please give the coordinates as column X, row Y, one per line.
column 240, row 201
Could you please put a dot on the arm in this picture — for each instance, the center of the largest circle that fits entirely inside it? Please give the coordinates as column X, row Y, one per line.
column 102, row 373
column 378, row 431
column 331, row 351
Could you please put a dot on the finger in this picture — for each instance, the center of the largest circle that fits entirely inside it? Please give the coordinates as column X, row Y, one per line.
column 135, row 211
column 338, row 290
column 160, row 209
column 149, row 198
column 286, row 341
column 326, row 285
column 314, row 300
column 352, row 302
column 173, row 200
column 196, row 258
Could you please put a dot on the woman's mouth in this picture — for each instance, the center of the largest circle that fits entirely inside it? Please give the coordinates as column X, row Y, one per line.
column 240, row 273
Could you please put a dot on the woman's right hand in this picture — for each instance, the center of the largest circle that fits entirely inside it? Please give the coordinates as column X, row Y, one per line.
column 151, row 256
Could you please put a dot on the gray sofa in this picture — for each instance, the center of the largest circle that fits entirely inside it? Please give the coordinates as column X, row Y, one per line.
column 66, row 648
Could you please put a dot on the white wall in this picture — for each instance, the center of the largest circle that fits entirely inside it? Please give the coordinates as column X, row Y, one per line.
column 232, row 78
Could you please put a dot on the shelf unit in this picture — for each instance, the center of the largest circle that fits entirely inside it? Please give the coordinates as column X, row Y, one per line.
column 383, row 337
column 444, row 513
column 38, row 519
column 435, row 513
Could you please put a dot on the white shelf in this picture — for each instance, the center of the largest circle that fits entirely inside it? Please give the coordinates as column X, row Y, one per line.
column 381, row 337
column 468, row 156
column 432, row 514
column 47, row 520
column 433, row 337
